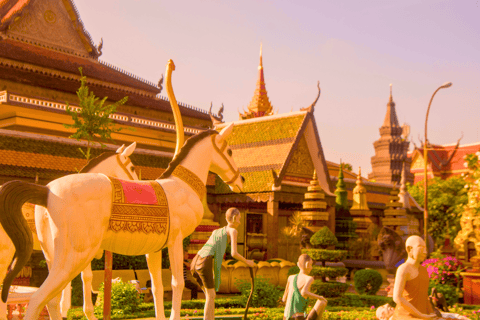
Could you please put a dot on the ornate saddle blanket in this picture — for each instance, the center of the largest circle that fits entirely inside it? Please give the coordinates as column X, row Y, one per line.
column 139, row 206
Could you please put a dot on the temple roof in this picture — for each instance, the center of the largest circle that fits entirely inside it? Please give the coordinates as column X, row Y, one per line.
column 48, row 55
column 11, row 9
column 448, row 159
column 263, row 144
column 28, row 154
column 260, row 104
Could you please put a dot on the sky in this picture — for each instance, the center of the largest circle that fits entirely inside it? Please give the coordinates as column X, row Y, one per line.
column 356, row 49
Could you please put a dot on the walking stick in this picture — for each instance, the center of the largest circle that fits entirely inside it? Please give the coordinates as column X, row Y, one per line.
column 252, row 276
column 245, row 317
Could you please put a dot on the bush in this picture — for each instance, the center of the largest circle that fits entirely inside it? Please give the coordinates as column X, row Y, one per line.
column 323, row 238
column 330, row 272
column 367, row 281
column 450, row 292
column 356, row 300
column 329, row 289
column 444, row 270
column 293, row 270
column 77, row 291
column 317, row 271
column 326, row 255
column 124, row 298
column 265, row 294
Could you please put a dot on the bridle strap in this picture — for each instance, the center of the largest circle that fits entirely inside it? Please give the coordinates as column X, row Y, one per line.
column 124, row 166
column 221, row 150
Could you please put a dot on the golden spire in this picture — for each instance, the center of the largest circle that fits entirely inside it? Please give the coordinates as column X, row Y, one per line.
column 260, row 104
column 360, row 194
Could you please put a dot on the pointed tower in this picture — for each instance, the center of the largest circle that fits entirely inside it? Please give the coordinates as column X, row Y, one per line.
column 395, row 214
column 260, row 105
column 390, row 150
column 314, row 206
column 344, row 224
column 362, row 215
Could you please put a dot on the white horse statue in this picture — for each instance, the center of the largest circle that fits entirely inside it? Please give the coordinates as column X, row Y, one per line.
column 115, row 215
column 114, row 164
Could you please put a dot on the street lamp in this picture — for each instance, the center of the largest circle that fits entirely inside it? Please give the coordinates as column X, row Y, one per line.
column 425, row 212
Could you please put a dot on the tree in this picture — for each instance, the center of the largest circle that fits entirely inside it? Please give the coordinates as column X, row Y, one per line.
column 92, row 119
column 321, row 240
column 446, row 199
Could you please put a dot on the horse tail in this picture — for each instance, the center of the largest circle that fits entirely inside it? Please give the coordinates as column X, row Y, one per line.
column 13, row 195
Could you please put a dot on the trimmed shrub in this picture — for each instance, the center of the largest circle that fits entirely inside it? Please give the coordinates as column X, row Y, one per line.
column 265, row 294
column 330, row 272
column 323, row 238
column 325, row 254
column 124, row 297
column 329, row 289
column 367, row 281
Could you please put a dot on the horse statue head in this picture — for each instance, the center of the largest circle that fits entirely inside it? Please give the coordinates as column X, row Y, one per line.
column 114, row 164
column 222, row 160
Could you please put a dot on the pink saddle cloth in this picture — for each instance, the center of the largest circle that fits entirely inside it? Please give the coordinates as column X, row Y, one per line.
column 138, row 206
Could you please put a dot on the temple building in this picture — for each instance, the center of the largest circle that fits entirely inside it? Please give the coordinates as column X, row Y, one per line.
column 391, row 149
column 278, row 154
column 444, row 161
column 44, row 43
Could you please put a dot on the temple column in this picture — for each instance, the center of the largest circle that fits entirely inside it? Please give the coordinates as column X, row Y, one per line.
column 272, row 228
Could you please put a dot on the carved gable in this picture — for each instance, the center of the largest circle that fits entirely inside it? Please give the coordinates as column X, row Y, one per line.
column 48, row 24
column 418, row 163
column 301, row 164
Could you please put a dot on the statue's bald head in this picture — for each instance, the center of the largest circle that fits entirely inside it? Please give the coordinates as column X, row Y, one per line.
column 414, row 241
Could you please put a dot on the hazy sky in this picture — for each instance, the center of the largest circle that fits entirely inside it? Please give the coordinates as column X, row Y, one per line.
column 355, row 48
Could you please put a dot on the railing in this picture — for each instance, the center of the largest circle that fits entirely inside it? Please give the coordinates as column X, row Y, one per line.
column 6, row 97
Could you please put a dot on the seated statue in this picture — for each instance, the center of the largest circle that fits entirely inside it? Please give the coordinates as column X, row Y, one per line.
column 385, row 312
column 410, row 291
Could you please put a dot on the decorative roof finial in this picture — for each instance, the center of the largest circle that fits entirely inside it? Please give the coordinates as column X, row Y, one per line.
column 391, row 98
column 260, row 66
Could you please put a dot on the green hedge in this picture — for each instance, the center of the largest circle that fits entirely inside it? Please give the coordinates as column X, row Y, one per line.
column 359, row 300
column 325, row 254
column 329, row 289
column 330, row 272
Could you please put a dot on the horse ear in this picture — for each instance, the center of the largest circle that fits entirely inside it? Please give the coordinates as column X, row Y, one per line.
column 120, row 150
column 129, row 150
column 225, row 132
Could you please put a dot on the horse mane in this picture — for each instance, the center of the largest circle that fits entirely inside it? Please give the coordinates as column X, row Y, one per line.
column 95, row 161
column 184, row 151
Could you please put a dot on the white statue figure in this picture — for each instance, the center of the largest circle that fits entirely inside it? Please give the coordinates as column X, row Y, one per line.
column 207, row 264
column 298, row 291
column 114, row 164
column 91, row 212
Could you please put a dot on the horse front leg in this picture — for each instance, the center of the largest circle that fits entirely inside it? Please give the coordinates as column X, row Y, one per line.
column 175, row 252
column 154, row 261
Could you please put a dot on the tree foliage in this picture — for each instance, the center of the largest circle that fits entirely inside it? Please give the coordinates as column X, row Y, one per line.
column 92, row 120
column 446, row 199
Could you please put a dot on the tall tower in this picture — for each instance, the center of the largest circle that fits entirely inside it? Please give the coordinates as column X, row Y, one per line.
column 260, row 105
column 390, row 150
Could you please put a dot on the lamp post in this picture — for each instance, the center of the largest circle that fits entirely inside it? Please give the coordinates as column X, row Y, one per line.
column 425, row 212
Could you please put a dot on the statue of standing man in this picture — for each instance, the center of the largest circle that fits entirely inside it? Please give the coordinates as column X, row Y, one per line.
column 207, row 264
